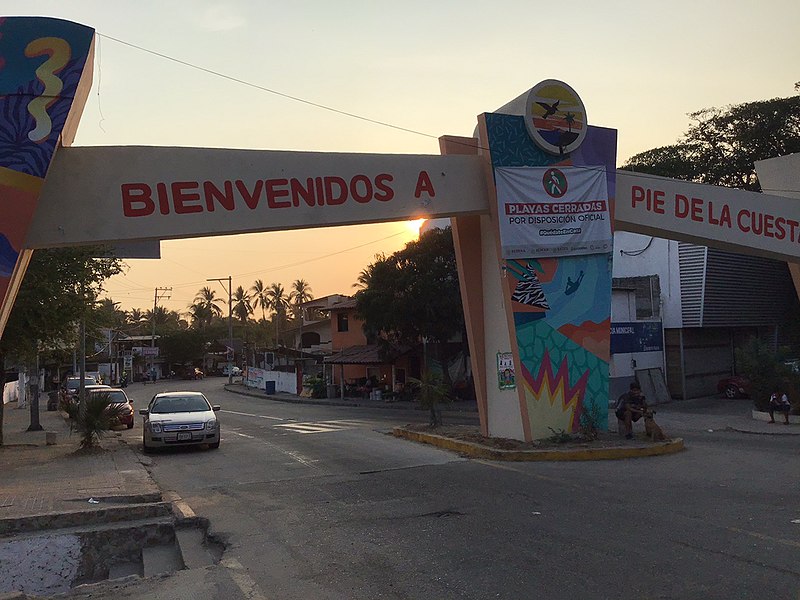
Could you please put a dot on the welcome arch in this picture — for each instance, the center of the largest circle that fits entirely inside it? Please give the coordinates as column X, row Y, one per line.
column 543, row 316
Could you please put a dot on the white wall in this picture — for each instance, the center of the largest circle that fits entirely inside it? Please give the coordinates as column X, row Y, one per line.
column 657, row 257
column 504, row 414
column 284, row 382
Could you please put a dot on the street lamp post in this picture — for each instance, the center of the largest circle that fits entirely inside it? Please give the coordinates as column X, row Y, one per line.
column 230, row 324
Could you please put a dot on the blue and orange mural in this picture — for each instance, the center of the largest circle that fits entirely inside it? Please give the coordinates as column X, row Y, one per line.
column 561, row 306
column 42, row 62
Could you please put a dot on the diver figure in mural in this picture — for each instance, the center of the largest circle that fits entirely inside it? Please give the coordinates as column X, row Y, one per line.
column 572, row 286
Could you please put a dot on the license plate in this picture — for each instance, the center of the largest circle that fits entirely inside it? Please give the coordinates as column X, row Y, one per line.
column 184, row 436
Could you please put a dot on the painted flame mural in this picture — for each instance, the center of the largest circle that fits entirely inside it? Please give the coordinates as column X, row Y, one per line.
column 561, row 306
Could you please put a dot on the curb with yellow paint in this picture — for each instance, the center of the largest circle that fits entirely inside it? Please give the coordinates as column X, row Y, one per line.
column 474, row 450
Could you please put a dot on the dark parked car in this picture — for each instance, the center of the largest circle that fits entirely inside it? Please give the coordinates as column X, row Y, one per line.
column 119, row 398
column 736, row 386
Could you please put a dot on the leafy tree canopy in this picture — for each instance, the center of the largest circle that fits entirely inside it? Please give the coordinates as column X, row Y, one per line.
column 722, row 144
column 60, row 286
column 183, row 346
column 413, row 293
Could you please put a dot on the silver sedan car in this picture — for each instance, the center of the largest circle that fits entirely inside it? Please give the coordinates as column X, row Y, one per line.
column 179, row 419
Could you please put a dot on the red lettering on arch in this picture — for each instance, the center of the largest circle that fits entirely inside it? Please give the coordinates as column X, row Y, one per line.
column 137, row 200
column 424, row 185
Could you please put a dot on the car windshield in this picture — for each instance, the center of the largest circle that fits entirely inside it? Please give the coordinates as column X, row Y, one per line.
column 179, row 404
column 114, row 396
column 74, row 384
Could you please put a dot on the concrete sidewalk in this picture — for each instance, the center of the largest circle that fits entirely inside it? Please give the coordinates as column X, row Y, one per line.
column 41, row 482
column 681, row 416
column 457, row 407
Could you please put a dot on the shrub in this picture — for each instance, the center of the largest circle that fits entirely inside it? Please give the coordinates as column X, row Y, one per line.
column 92, row 417
column 431, row 392
column 317, row 386
column 764, row 368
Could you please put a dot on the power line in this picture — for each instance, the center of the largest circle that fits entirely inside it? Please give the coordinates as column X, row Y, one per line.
column 266, row 89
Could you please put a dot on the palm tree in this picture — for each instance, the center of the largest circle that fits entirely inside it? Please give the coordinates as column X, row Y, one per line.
column 208, row 297
column 165, row 320
column 260, row 298
column 200, row 315
column 136, row 320
column 365, row 277
column 241, row 305
column 278, row 303
column 301, row 293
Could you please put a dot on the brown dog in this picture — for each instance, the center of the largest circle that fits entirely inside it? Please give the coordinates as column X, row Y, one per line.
column 651, row 428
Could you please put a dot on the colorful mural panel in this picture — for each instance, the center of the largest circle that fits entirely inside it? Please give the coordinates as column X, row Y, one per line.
column 42, row 61
column 561, row 306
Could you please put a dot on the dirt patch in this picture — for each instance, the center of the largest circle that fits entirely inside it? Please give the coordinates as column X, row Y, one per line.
column 468, row 433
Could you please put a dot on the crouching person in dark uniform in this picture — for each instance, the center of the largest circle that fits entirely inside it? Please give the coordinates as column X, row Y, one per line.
column 630, row 408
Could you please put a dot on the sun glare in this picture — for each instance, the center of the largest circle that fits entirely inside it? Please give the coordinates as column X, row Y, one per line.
column 414, row 226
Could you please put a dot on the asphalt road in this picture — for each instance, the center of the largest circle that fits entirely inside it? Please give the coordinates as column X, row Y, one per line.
column 319, row 502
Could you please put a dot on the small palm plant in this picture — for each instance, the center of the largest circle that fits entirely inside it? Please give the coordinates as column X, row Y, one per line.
column 431, row 392
column 93, row 417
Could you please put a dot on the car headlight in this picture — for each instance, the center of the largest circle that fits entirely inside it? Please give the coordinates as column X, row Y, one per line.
column 155, row 427
column 211, row 425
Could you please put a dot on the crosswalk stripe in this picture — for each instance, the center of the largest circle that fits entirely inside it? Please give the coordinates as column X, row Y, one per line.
column 321, row 426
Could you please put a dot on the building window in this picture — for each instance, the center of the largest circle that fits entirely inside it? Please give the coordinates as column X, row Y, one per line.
column 341, row 322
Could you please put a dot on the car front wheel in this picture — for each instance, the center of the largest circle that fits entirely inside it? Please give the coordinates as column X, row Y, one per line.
column 145, row 448
column 731, row 391
column 213, row 446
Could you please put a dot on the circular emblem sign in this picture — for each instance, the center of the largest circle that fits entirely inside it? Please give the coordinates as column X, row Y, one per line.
column 555, row 183
column 555, row 117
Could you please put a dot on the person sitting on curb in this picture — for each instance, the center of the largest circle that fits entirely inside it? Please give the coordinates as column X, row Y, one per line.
column 780, row 404
column 630, row 408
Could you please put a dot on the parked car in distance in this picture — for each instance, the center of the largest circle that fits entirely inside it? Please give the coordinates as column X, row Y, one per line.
column 71, row 387
column 179, row 419
column 235, row 371
column 73, row 384
column 736, row 386
column 119, row 398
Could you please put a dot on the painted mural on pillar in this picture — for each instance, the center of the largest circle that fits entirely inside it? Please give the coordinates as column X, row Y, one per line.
column 561, row 306
column 41, row 64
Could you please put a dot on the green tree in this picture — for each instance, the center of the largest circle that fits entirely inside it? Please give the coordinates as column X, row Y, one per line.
column 184, row 346
column 722, row 144
column 208, row 299
column 136, row 322
column 301, row 292
column 278, row 304
column 241, row 305
column 60, row 287
column 107, row 314
column 165, row 320
column 414, row 295
column 260, row 298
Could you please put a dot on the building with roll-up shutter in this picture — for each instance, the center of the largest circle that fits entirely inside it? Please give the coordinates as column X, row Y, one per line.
column 710, row 303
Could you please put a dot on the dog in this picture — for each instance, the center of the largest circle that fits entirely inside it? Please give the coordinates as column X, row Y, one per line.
column 651, row 428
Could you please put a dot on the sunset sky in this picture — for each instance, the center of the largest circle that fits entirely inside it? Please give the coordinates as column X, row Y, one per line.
column 429, row 67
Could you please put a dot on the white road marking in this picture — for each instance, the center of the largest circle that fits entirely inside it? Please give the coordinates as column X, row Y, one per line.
column 321, row 426
column 233, row 412
column 242, row 579
column 244, row 435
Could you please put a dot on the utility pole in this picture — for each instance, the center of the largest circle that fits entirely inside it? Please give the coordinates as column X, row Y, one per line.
column 230, row 324
column 160, row 293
